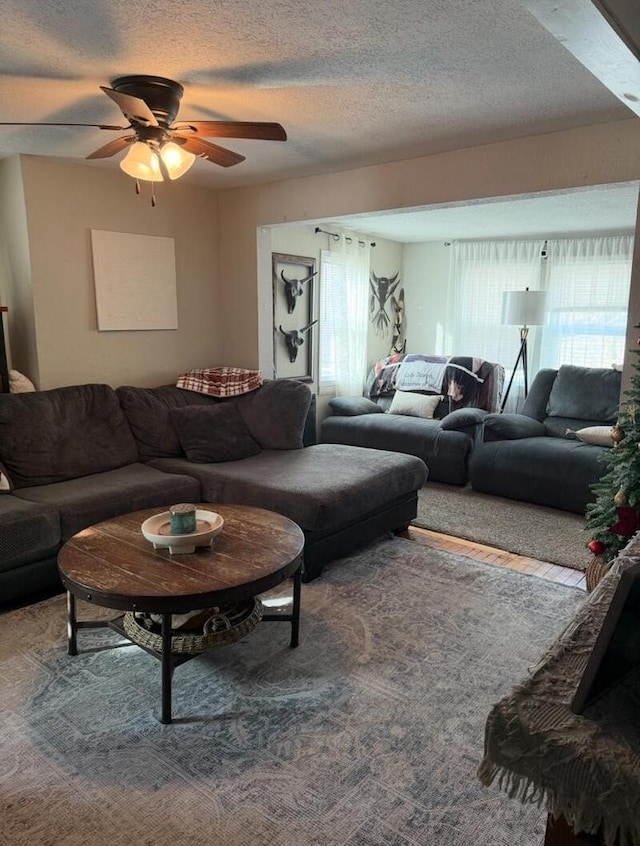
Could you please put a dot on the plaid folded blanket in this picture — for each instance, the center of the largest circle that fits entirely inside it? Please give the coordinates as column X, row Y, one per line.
column 220, row 381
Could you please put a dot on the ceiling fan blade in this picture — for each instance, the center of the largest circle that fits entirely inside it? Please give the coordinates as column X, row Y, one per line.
column 133, row 108
column 37, row 123
column 234, row 129
column 112, row 147
column 211, row 152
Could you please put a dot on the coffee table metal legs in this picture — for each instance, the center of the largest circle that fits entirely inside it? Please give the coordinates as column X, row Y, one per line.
column 295, row 611
column 294, row 616
column 72, row 626
column 167, row 669
column 169, row 661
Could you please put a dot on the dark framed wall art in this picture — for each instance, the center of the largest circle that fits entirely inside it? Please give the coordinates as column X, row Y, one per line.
column 294, row 328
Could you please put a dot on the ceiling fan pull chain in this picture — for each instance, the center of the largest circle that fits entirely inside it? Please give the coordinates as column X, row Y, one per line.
column 137, row 186
column 153, row 195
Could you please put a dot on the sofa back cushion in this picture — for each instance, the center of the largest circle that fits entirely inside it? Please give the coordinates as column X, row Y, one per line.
column 535, row 405
column 276, row 413
column 214, row 433
column 148, row 411
column 64, row 433
column 585, row 393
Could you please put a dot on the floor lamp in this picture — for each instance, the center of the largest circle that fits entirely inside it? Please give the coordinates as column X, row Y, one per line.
column 524, row 309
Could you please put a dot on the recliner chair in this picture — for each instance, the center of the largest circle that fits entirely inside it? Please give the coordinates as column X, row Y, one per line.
column 535, row 456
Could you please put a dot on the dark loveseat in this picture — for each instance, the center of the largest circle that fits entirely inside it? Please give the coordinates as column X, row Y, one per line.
column 535, row 456
column 469, row 388
column 82, row 454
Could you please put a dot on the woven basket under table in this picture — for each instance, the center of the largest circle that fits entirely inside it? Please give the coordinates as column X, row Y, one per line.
column 225, row 625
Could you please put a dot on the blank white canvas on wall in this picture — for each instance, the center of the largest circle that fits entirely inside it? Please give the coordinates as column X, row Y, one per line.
column 135, row 281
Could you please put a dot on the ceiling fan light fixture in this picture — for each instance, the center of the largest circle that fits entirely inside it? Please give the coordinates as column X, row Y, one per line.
column 141, row 162
column 176, row 160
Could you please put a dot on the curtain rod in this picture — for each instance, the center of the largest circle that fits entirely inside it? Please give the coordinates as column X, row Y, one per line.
column 337, row 237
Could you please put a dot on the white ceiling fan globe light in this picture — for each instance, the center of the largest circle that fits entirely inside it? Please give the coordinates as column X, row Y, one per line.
column 176, row 160
column 142, row 163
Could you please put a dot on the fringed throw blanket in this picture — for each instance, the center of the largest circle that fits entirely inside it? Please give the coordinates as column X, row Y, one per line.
column 220, row 381
column 465, row 380
column 585, row 767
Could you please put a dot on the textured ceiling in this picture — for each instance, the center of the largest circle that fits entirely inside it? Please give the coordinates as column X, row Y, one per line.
column 599, row 210
column 354, row 83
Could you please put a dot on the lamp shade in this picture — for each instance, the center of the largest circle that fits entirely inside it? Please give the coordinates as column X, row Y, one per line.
column 176, row 160
column 142, row 163
column 523, row 308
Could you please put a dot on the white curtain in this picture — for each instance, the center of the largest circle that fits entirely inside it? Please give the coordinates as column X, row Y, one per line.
column 481, row 272
column 344, row 285
column 587, row 281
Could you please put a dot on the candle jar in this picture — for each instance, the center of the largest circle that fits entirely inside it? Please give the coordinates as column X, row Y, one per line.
column 182, row 519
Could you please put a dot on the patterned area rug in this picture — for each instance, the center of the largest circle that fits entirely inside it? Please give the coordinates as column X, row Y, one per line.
column 369, row 733
column 532, row 530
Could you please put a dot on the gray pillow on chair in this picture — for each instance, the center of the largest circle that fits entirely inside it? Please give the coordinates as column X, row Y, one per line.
column 585, row 393
column 354, row 406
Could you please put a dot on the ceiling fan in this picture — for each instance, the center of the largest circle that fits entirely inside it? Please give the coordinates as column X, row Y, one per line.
column 159, row 148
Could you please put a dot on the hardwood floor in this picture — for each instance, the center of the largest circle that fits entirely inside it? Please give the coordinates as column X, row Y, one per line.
column 480, row 552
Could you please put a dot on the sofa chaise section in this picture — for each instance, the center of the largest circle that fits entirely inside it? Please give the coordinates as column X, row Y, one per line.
column 341, row 496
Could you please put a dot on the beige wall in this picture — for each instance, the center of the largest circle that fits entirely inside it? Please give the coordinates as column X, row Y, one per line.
column 15, row 270
column 595, row 155
column 427, row 271
column 64, row 201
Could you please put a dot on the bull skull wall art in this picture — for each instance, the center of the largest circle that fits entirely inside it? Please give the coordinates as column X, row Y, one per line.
column 293, row 282
column 294, row 339
column 294, row 288
column 382, row 294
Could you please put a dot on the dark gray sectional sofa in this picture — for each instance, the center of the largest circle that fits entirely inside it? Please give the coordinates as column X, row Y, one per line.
column 82, row 454
column 534, row 456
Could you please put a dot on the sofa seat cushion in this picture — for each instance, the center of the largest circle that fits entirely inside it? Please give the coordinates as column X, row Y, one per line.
column 548, row 471
column 28, row 532
column 444, row 452
column 321, row 487
column 92, row 499
column 51, row 436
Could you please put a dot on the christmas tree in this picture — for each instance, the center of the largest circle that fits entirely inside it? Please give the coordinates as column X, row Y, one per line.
column 614, row 516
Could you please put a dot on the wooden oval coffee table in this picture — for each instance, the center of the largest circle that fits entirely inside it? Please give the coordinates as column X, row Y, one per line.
column 113, row 565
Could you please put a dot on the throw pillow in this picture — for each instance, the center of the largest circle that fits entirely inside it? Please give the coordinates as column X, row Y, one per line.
column 6, row 486
column 19, row 383
column 414, row 405
column 512, row 427
column 148, row 413
column 462, row 418
column 353, row 406
column 598, row 435
column 220, row 381
column 213, row 433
